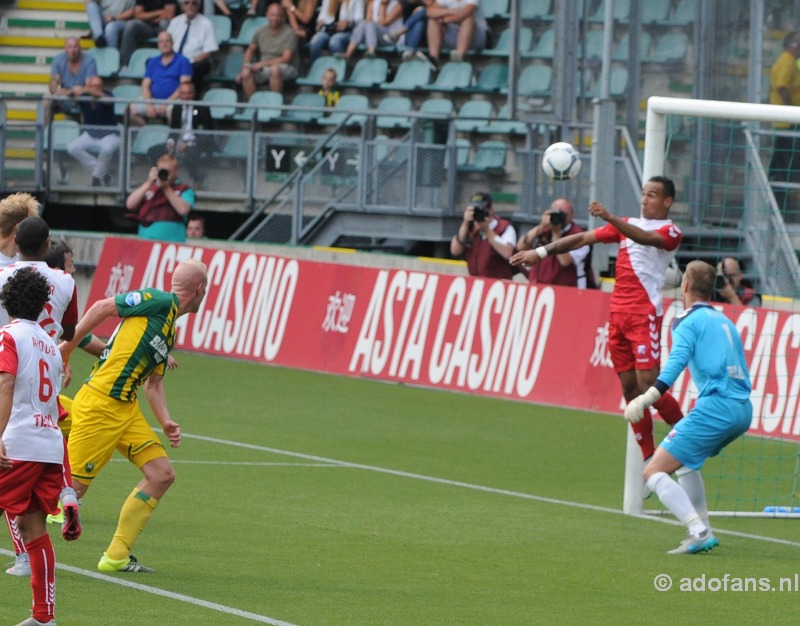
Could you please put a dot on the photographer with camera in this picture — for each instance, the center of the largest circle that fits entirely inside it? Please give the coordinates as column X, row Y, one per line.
column 485, row 240
column 572, row 268
column 732, row 287
column 161, row 203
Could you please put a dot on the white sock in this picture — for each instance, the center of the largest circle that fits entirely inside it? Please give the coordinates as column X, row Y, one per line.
column 692, row 483
column 676, row 500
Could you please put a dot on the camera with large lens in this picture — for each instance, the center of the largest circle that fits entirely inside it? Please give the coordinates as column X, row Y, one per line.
column 558, row 218
column 720, row 283
column 163, row 174
column 479, row 211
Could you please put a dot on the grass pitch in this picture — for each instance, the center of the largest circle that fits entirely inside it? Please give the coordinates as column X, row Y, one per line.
column 305, row 499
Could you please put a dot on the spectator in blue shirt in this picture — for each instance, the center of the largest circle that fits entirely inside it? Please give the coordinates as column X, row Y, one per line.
column 162, row 77
column 69, row 73
column 708, row 343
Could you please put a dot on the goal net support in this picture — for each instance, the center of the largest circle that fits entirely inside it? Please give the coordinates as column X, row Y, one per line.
column 736, row 199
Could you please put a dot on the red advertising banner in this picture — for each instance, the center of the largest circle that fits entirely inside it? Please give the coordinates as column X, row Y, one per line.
column 505, row 339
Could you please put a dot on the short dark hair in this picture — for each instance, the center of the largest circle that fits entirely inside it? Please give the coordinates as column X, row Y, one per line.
column 56, row 256
column 666, row 183
column 25, row 294
column 32, row 234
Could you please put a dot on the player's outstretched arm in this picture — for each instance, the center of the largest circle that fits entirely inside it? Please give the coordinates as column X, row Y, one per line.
column 634, row 233
column 559, row 246
column 95, row 316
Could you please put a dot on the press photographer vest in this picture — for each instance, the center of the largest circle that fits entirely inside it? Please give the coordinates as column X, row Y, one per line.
column 156, row 206
column 483, row 260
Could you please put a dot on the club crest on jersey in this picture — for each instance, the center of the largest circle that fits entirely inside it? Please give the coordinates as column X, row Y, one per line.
column 89, row 467
column 133, row 298
column 641, row 349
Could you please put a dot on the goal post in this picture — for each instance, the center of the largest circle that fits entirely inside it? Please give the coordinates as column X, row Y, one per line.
column 719, row 155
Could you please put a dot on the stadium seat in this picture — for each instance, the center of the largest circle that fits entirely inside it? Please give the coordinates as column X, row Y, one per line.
column 671, row 47
column 368, row 72
column 490, row 158
column 437, row 106
column 618, row 84
column 684, row 14
column 503, row 125
column 463, row 152
column 452, row 76
column 472, row 115
column 343, row 111
column 495, row 9
column 147, row 137
column 229, row 68
column 248, row 29
column 503, row 46
column 237, row 147
column 64, row 132
column 393, row 104
column 136, row 65
column 107, row 60
column 654, row 12
column 491, row 79
column 621, row 11
column 319, row 67
column 270, row 105
column 222, row 28
column 131, row 92
column 411, row 75
column 303, row 117
column 622, row 50
column 534, row 81
column 593, row 45
column 221, row 101
column 535, row 9
column 544, row 48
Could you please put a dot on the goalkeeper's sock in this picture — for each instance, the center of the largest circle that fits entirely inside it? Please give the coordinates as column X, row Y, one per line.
column 676, row 500
column 669, row 409
column 692, row 483
column 643, row 429
column 133, row 518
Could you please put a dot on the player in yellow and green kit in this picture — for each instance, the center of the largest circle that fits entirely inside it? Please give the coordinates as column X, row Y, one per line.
column 105, row 412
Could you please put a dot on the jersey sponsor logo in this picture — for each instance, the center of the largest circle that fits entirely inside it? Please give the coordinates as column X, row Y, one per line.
column 641, row 349
column 133, row 298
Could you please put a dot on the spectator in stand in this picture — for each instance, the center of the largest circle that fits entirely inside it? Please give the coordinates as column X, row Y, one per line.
column 335, row 24
column 484, row 239
column 383, row 17
column 193, row 37
column 300, row 14
column 69, row 73
column 103, row 141
column 163, row 76
column 456, row 24
column 196, row 227
column 732, row 287
column 572, row 268
column 107, row 19
column 150, row 16
column 232, row 8
column 276, row 47
column 328, row 88
column 785, row 90
column 186, row 144
column 161, row 203
column 412, row 36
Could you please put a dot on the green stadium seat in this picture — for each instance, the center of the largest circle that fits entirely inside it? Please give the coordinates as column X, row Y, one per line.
column 368, row 72
column 463, row 151
column 452, row 76
column 685, row 13
column 593, row 44
column 503, row 46
column 147, row 137
column 655, row 12
column 303, row 117
column 411, row 75
column 136, row 66
column 229, row 68
column 495, row 9
column 237, row 147
column 270, row 105
column 221, row 102
column 671, row 47
column 545, row 47
column 472, row 115
column 347, row 104
column 63, row 132
column 131, row 92
column 437, row 106
column 493, row 78
column 503, row 125
column 248, row 29
column 222, row 28
column 622, row 50
column 535, row 9
column 107, row 60
column 621, row 11
column 534, row 81
column 393, row 104
column 618, row 85
column 319, row 67
column 490, row 158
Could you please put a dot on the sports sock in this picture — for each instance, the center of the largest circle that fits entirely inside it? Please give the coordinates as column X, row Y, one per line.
column 643, row 429
column 692, row 483
column 133, row 517
column 669, row 409
column 43, row 577
column 13, row 530
column 676, row 500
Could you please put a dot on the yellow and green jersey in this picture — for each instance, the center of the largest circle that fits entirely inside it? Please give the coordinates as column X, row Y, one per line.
column 139, row 345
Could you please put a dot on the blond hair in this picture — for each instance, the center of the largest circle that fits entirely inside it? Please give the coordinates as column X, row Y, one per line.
column 16, row 208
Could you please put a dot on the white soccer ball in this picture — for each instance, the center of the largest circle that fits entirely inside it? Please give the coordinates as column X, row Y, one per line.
column 561, row 161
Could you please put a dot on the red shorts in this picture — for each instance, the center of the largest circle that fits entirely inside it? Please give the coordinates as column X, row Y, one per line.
column 31, row 486
column 634, row 341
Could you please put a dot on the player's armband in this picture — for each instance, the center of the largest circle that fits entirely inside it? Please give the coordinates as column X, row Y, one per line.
column 85, row 341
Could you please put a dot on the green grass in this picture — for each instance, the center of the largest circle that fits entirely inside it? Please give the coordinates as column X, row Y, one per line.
column 322, row 500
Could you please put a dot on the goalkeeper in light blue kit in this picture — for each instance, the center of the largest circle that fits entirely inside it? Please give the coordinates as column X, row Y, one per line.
column 708, row 342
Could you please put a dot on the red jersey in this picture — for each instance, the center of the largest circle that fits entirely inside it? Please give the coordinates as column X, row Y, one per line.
column 641, row 270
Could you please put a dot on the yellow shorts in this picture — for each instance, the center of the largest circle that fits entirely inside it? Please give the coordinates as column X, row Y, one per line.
column 65, row 425
column 100, row 425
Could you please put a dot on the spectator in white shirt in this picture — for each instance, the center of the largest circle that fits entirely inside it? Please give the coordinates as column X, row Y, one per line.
column 193, row 37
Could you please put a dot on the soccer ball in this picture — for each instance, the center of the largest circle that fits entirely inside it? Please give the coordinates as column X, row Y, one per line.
column 561, row 161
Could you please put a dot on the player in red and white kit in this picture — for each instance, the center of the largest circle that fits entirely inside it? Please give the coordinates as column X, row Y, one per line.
column 31, row 445
column 647, row 245
column 58, row 319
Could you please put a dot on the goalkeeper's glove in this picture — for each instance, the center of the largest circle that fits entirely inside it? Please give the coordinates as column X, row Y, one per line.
column 636, row 407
